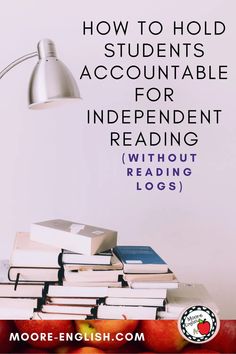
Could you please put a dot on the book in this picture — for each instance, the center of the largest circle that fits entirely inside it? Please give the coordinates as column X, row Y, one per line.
column 92, row 301
column 154, row 285
column 140, row 259
column 28, row 274
column 75, row 291
column 17, row 309
column 102, row 258
column 24, row 290
column 137, row 293
column 76, row 310
column 111, row 284
column 57, row 316
column 21, row 291
column 129, row 278
column 188, row 295
column 115, row 264
column 92, row 275
column 126, row 312
column 28, row 253
column 75, row 237
column 118, row 301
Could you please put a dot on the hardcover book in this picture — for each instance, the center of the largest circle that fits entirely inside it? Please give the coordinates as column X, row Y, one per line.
column 126, row 312
column 120, row 301
column 70, row 309
column 115, row 264
column 57, row 316
column 72, row 236
column 28, row 253
column 9, row 289
column 140, row 259
column 17, row 308
column 28, row 274
column 92, row 275
column 103, row 258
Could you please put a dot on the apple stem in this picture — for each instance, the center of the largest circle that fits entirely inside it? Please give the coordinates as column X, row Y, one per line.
column 202, row 321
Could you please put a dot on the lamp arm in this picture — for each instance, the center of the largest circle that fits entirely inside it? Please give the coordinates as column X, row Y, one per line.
column 16, row 62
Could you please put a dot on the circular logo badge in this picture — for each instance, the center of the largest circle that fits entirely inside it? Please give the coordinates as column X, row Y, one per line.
column 198, row 324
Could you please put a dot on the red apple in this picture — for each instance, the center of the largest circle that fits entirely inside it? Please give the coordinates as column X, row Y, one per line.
column 90, row 328
column 204, row 327
column 33, row 350
column 88, row 350
column 162, row 336
column 225, row 340
column 51, row 328
column 6, row 327
column 129, row 347
column 198, row 349
column 66, row 349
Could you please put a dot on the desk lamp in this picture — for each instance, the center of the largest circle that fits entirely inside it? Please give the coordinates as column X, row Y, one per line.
column 51, row 81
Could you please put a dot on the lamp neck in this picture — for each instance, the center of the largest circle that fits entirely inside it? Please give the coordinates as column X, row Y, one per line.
column 46, row 49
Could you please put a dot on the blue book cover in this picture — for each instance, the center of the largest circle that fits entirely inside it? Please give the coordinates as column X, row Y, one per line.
column 138, row 255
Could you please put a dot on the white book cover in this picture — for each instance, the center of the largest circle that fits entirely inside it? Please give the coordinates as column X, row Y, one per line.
column 74, row 291
column 154, row 285
column 126, row 312
column 57, row 316
column 29, row 253
column 80, row 310
column 137, row 293
column 71, row 301
column 17, row 309
column 21, row 291
column 34, row 274
column 115, row 264
column 111, row 284
column 16, row 313
column 149, row 277
column 69, row 257
column 117, row 301
column 73, row 236
column 14, row 303
column 92, row 275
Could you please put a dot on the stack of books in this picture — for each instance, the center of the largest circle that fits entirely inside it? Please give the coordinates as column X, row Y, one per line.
column 146, row 278
column 68, row 270
column 32, row 261
column 87, row 265
column 18, row 302
column 102, row 269
column 24, row 278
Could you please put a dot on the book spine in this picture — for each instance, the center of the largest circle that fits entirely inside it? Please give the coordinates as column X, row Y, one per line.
column 94, row 311
column 61, row 275
column 60, row 263
column 118, row 255
column 9, row 274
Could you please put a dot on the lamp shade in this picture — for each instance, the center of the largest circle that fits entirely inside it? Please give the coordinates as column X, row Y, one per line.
column 51, row 81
